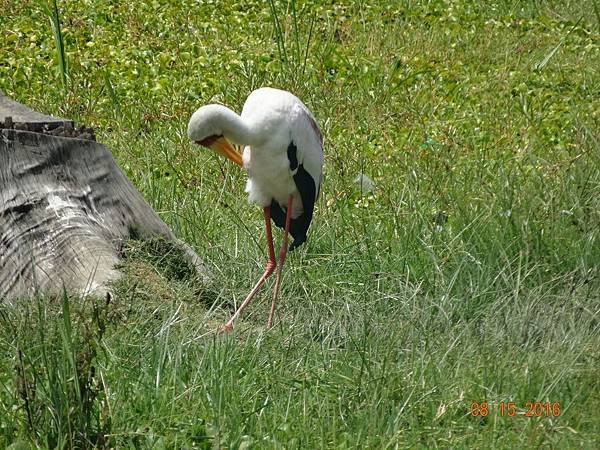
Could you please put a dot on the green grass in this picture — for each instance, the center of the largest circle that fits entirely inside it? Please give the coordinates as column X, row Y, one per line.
column 469, row 274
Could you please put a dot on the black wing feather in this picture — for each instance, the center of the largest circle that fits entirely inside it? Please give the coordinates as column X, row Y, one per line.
column 308, row 193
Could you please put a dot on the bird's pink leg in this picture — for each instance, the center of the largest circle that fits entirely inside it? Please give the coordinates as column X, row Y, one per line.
column 282, row 253
column 271, row 264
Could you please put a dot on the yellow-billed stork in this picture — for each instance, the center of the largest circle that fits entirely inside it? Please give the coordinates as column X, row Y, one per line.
column 283, row 155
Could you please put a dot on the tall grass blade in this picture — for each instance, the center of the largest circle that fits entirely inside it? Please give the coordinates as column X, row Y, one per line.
column 279, row 37
column 116, row 107
column 53, row 14
column 296, row 34
column 293, row 55
column 59, row 44
column 551, row 53
column 308, row 41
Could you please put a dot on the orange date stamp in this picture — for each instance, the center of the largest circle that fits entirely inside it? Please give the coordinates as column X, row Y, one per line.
column 512, row 409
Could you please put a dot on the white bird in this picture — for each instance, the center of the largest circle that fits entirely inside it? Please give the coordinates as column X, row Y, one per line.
column 283, row 155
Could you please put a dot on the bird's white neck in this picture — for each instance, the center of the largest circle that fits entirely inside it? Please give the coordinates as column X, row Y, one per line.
column 216, row 120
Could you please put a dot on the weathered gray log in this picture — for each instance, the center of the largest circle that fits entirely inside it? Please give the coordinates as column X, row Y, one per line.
column 65, row 207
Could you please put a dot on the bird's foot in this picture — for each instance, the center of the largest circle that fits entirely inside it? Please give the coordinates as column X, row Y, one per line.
column 226, row 328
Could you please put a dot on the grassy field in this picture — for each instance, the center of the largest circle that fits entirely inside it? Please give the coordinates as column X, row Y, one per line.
column 469, row 273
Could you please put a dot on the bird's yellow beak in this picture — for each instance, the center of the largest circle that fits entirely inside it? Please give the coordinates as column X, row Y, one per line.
column 224, row 147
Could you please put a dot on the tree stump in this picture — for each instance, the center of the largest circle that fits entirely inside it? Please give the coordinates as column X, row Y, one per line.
column 65, row 208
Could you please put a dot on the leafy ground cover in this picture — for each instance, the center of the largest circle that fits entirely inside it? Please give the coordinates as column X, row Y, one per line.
column 469, row 273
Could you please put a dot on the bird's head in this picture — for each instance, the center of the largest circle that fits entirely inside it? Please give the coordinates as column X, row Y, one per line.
column 205, row 128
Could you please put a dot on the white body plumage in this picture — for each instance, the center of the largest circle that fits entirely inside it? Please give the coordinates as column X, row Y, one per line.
column 284, row 119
